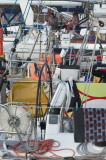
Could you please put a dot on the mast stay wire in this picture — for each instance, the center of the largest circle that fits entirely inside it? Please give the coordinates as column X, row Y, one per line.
column 11, row 53
column 81, row 48
column 82, row 51
column 23, row 73
column 26, row 18
column 21, row 20
column 90, row 67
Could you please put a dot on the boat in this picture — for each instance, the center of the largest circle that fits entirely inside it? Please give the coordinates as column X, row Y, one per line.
column 53, row 99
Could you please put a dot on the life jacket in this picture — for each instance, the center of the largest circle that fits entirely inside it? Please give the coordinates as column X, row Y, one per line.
column 49, row 59
column 45, row 75
column 34, row 71
column 58, row 59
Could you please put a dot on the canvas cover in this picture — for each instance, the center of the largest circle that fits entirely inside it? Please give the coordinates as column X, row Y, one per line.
column 25, row 90
column 93, row 95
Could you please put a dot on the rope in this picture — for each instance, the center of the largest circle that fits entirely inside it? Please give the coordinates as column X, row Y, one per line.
column 21, row 19
column 8, row 19
column 82, row 48
column 43, row 147
column 90, row 69
column 22, row 27
column 26, row 18
column 85, row 39
column 91, row 66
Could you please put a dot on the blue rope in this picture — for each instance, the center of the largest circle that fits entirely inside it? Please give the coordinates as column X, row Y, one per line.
column 8, row 19
column 76, row 106
column 25, row 19
column 21, row 20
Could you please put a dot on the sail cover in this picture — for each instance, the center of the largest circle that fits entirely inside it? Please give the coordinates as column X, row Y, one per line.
column 27, row 12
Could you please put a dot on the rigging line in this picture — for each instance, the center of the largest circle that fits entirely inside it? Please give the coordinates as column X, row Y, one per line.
column 24, row 24
column 25, row 45
column 25, row 18
column 87, row 78
column 18, row 31
column 8, row 19
column 90, row 71
column 79, row 51
column 22, row 19
column 30, row 53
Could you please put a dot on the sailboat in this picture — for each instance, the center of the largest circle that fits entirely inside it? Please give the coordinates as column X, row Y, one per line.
column 50, row 112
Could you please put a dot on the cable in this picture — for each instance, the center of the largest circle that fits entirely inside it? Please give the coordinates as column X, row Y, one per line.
column 43, row 147
column 82, row 149
column 38, row 89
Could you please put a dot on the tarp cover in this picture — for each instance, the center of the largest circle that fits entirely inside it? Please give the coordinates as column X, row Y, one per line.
column 26, row 91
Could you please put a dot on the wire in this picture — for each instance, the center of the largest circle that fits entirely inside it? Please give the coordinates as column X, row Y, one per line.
column 82, row 149
column 92, row 62
column 38, row 89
